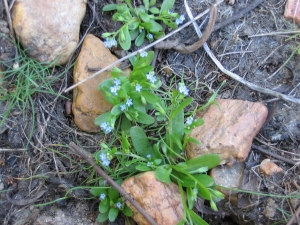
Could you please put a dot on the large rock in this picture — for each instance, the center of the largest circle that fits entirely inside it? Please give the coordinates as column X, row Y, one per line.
column 48, row 29
column 292, row 10
column 228, row 131
column 88, row 101
column 160, row 200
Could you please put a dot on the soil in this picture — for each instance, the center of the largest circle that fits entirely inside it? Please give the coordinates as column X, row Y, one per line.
column 45, row 169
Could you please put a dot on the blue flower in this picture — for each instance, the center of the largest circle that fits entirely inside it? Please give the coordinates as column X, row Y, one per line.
column 150, row 36
column 114, row 90
column 123, row 107
column 103, row 159
column 149, row 164
column 143, row 54
column 110, row 42
column 148, row 156
column 189, row 121
column 117, row 81
column 102, row 196
column 180, row 20
column 105, row 126
column 183, row 89
column 138, row 88
column 129, row 102
column 150, row 76
column 119, row 205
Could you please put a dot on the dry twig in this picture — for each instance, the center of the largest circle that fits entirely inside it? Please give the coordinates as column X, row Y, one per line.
column 111, row 182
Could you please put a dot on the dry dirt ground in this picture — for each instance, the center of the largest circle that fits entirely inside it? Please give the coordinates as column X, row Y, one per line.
column 48, row 167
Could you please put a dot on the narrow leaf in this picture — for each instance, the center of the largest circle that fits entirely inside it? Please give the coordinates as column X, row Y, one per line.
column 140, row 141
column 109, row 7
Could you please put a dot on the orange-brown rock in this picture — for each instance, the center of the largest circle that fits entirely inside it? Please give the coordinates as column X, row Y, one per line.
column 269, row 168
column 292, row 10
column 162, row 201
column 228, row 131
column 48, row 29
column 88, row 101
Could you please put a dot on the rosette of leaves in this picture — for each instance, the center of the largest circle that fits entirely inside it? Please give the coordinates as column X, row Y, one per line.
column 141, row 22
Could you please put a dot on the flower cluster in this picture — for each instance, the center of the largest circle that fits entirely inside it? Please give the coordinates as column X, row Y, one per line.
column 110, row 42
column 189, row 121
column 102, row 196
column 183, row 89
column 105, row 159
column 105, row 126
column 151, row 77
column 116, row 88
column 180, row 20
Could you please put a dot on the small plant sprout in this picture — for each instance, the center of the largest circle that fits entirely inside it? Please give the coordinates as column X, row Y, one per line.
column 140, row 22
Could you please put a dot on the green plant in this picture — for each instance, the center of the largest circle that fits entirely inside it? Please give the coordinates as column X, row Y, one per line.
column 140, row 107
column 23, row 78
column 140, row 23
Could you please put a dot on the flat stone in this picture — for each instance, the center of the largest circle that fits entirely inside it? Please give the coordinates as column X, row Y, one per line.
column 88, row 101
column 160, row 200
column 269, row 168
column 48, row 29
column 228, row 131
column 229, row 176
column 292, row 10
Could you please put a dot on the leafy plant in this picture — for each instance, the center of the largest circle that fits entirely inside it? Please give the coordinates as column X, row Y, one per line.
column 139, row 107
column 140, row 23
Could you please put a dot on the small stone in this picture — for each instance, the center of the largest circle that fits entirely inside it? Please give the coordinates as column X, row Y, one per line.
column 88, row 101
column 292, row 10
column 228, row 176
column 269, row 168
column 48, row 29
column 270, row 208
column 229, row 130
column 162, row 201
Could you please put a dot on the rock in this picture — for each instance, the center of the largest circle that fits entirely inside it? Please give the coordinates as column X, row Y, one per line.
column 48, row 29
column 229, row 176
column 162, row 201
column 228, row 131
column 270, row 208
column 269, row 168
column 88, row 101
column 292, row 10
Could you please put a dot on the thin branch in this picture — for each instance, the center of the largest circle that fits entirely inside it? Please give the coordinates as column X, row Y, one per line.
column 111, row 182
column 294, row 217
column 142, row 49
column 275, row 33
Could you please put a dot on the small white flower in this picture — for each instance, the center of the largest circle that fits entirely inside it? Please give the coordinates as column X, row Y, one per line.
column 123, row 107
column 148, row 156
column 110, row 42
column 150, row 76
column 117, row 81
column 183, row 89
column 143, row 54
column 114, row 90
column 149, row 164
column 129, row 102
column 189, row 121
column 153, row 79
column 106, row 162
column 138, row 88
column 180, row 20
column 102, row 196
column 119, row 205
column 105, row 126
column 141, row 30
column 169, row 12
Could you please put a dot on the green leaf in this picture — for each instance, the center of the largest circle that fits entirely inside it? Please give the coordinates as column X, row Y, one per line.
column 146, row 4
column 96, row 191
column 113, row 213
column 133, row 34
column 153, row 27
column 144, row 17
column 109, row 7
column 142, row 167
column 104, row 206
column 182, row 105
column 144, row 118
column 208, row 160
column 125, row 124
column 193, row 140
column 125, row 41
column 152, row 2
column 167, row 4
column 140, row 141
column 102, row 118
column 195, row 218
column 140, row 39
column 127, row 211
column 154, row 10
column 116, row 110
column 151, row 98
column 102, row 217
column 190, row 197
column 187, row 181
column 170, row 23
column 121, row 8
column 162, row 173
column 113, row 194
column 134, row 25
